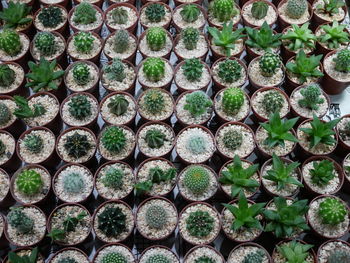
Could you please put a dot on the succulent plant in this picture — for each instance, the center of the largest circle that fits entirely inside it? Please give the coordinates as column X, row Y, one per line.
column 263, row 38
column 155, row 138
column 73, row 183
column 119, row 15
column 229, row 70
column 31, row 258
column 199, row 223
column 342, row 60
column 190, row 13
column 79, row 107
column 294, row 251
column 23, row 110
column 330, row 7
column 232, row 139
column 84, row 14
column 332, row 211
column 7, row 75
column 223, row 10
column 81, row 74
column 115, row 70
column 299, row 37
column 45, row 42
column 29, row 182
column 311, row 97
column 196, row 144
column 156, row 216
column 113, row 178
column 158, row 258
column 20, row 221
column 269, row 63
column 193, row 69
column 114, row 139
column 33, row 143
column 272, row 101
column 156, row 38
column 118, row 105
column 257, row 256
column 155, row 12
column 114, row 257
column 339, row 255
column 121, row 41
column 15, row 15
column 50, row 16
column 232, row 100
column 197, row 103
column 190, row 37
column 70, row 222
column 10, row 42
column 196, row 179
column 154, row 69
column 77, row 145
column 67, row 260
column 2, row 148
column 112, row 221
column 83, row 42
column 259, row 9
column 5, row 114
column 204, row 259
column 296, row 8
column 154, row 101
column 334, row 35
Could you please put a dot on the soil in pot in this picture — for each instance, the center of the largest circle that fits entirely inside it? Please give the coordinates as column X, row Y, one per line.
column 69, row 253
column 287, row 249
column 181, row 20
column 331, row 249
column 248, row 250
column 7, row 147
column 346, row 167
column 229, row 73
column 89, row 49
column 250, row 20
column 51, row 18
column 148, row 20
column 195, row 49
column 120, row 44
column 14, row 79
column 81, row 76
column 121, row 16
column 203, row 252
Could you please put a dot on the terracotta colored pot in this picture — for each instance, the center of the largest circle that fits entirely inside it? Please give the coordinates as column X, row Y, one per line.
column 96, row 30
column 162, row 2
column 179, row 2
column 326, row 243
column 6, row 200
column 247, row 23
column 317, row 20
column 342, row 146
column 130, row 58
column 69, row 249
column 235, row 25
column 13, row 163
column 311, row 251
column 346, row 185
column 113, row 244
column 283, row 23
column 133, row 28
column 162, row 247
column 181, row 58
column 247, row 244
column 180, row 5
column 15, row 128
column 144, row 55
column 111, row 2
column 97, row 3
column 24, row 58
column 62, row 29
column 20, row 89
column 216, row 56
column 63, row 3
column 204, row 246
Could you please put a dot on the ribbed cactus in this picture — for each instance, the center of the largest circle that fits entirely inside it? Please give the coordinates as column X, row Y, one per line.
column 296, row 8
column 254, row 257
column 196, row 144
column 114, row 257
column 73, row 183
column 5, row 114
column 7, row 75
column 196, row 179
column 29, row 182
column 232, row 139
column 156, row 38
column 156, row 216
column 116, row 70
column 155, row 138
column 121, row 41
column 83, row 42
column 272, row 102
column 45, row 43
column 81, row 73
column 77, row 145
column 232, row 100
column 113, row 139
column 154, row 101
column 113, row 178
column 79, row 107
column 339, row 256
column 50, row 16
column 20, row 221
column 224, row 10
column 259, row 9
column 10, row 42
column 229, row 70
column 193, row 69
column 154, row 69
column 269, row 63
column 190, row 13
column 342, row 60
column 119, row 15
column 158, row 258
column 155, row 12
column 118, row 105
column 190, row 37
column 112, row 221
column 84, row 14
column 33, row 143
column 332, row 211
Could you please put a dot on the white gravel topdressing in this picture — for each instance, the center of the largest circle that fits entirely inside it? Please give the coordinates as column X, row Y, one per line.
column 238, row 48
column 177, row 19
column 70, row 253
column 237, row 83
column 51, row 110
column 148, row 52
column 60, row 46
column 114, row 85
column 58, row 184
column 159, row 251
column 200, row 50
column 131, row 20
column 279, row 258
column 88, row 27
column 10, row 145
column 74, row 86
column 4, row 187
column 341, row 127
column 329, row 67
column 184, row 83
column 205, row 251
column 237, row 254
column 235, row 19
column 258, row 106
column 329, row 231
column 96, row 49
column 115, row 249
column 282, row 11
column 11, row 105
column 19, row 77
column 335, row 17
column 40, row 25
column 270, row 17
column 164, row 21
column 114, row 119
column 326, row 250
column 24, row 48
column 108, row 48
column 257, row 77
column 168, row 76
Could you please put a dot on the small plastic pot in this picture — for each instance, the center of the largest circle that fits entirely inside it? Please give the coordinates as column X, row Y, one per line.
column 69, row 249
column 20, row 89
column 248, row 244
column 16, row 127
column 180, row 6
column 181, row 58
column 319, row 251
column 317, row 20
column 311, row 251
column 283, row 23
column 13, row 163
column 235, row 25
column 96, row 30
column 132, row 28
column 143, row 38
column 63, row 29
column 131, row 58
column 216, row 55
column 24, row 58
column 147, row 3
column 247, row 23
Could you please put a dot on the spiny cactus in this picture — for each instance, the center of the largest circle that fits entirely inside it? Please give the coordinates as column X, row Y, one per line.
column 119, row 15
column 116, row 70
column 113, row 178
column 196, row 179
column 113, row 139
column 199, row 223
column 33, row 143
column 81, row 74
column 73, row 183
column 190, row 37
column 156, row 216
column 254, row 257
column 112, row 221
column 197, row 103
column 259, row 9
column 118, row 105
column 190, row 13
column 156, row 38
column 311, row 97
column 7, row 75
column 10, row 42
column 332, row 211
column 193, row 69
column 29, row 182
column 272, row 101
column 20, row 221
column 114, row 257
column 77, row 145
column 339, row 255
column 5, row 114
column 269, row 63
column 224, row 10
column 196, row 144
column 79, row 107
column 121, row 41
column 67, row 260
column 158, row 258
column 154, row 69
column 2, row 148
column 204, row 259
column 84, row 14
column 342, row 60
column 45, row 42
column 50, row 16
column 155, row 138
column 232, row 139
column 232, row 100
column 83, row 42
column 155, row 12
column 154, row 101
column 229, row 70
column 296, row 8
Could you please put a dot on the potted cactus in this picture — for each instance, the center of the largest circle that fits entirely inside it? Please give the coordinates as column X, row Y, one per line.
column 17, row 16
column 155, row 13
column 73, row 183
column 197, row 182
column 328, row 216
column 343, row 128
column 249, row 252
column 85, row 17
column 116, row 251
column 189, row 15
column 8, row 158
column 333, row 251
column 70, row 254
column 294, row 12
column 203, row 252
column 113, row 221
column 158, row 253
column 257, row 12
column 51, row 18
column 295, row 250
column 121, row 16
column 14, row 46
column 328, row 11
column 114, row 180
column 223, row 11
column 4, row 193
column 8, row 120
column 155, row 42
column 11, row 79
column 23, row 254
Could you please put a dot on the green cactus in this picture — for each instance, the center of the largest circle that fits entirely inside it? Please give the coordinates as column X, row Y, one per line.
column 193, row 69
column 342, row 61
column 118, row 105
column 116, row 70
column 45, row 42
column 332, row 211
column 311, row 97
column 7, row 75
column 196, row 144
column 156, row 38
column 199, row 223
column 197, row 103
column 158, row 258
column 259, row 9
column 73, row 183
column 255, row 257
column 83, row 42
column 20, row 221
column 67, row 260
column 155, row 12
column 154, row 101
column 154, row 69
column 155, row 138
column 114, row 139
column 79, row 107
column 232, row 100
column 190, row 13
column 113, row 178
column 10, row 42
column 224, row 10
column 121, row 41
column 5, row 114
column 120, row 15
column 2, row 148
column 50, row 16
column 156, row 216
column 204, row 259
column 29, row 182
column 158, row 175
column 190, row 37
column 339, row 256
column 84, row 14
column 229, row 70
column 296, row 8
column 81, row 74
column 272, row 101
column 33, row 143
column 77, row 145
column 112, row 221
column 196, row 179
column 232, row 140
column 114, row 257
column 269, row 63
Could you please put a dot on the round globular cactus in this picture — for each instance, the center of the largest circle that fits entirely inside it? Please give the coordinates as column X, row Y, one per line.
column 272, row 101
column 81, row 73
column 113, row 139
column 156, row 38
column 121, row 41
column 10, row 42
column 29, row 182
column 342, row 60
column 73, row 183
column 20, row 221
column 114, row 257
column 33, row 143
column 232, row 100
column 113, row 178
column 190, row 37
column 116, row 70
column 155, row 138
column 190, row 13
column 232, row 140
column 83, row 42
column 79, row 107
column 269, row 63
column 118, row 105
column 259, row 9
column 296, row 8
column 120, row 15
column 156, row 216
column 254, row 257
column 193, row 69
column 224, row 10
column 332, row 211
column 154, row 69
column 45, row 42
column 5, row 114
column 339, row 255
column 154, row 101
column 77, row 145
column 158, row 258
column 112, row 221
column 155, row 12
column 7, row 75
column 196, row 144
column 196, row 179
column 229, row 70
column 197, row 103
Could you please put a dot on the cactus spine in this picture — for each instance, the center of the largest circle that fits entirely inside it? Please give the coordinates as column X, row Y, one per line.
column 156, row 38
column 232, row 100
column 154, row 69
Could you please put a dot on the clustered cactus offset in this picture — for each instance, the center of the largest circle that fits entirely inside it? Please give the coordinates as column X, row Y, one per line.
column 196, row 179
column 29, row 182
column 83, row 42
column 311, row 97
